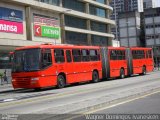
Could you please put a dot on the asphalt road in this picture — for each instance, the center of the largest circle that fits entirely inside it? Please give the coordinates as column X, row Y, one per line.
column 144, row 105
column 81, row 99
column 138, row 108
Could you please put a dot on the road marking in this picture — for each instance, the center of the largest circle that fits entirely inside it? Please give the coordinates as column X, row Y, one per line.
column 8, row 100
column 51, row 97
column 111, row 106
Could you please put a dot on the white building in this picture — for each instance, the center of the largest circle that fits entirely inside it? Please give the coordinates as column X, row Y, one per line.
column 124, row 6
column 151, row 3
column 129, row 29
column 152, row 30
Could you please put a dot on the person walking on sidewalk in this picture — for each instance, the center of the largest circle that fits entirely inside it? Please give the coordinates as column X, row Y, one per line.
column 1, row 78
column 5, row 77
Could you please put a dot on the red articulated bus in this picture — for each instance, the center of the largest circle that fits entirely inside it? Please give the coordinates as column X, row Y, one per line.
column 58, row 65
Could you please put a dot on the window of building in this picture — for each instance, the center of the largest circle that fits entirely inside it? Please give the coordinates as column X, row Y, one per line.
column 100, row 27
column 74, row 4
column 52, row 2
column 99, row 40
column 76, row 55
column 76, row 38
column 101, row 1
column 75, row 22
column 97, row 11
column 59, row 55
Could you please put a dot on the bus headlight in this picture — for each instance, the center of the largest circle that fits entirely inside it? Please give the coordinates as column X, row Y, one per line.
column 34, row 79
column 13, row 80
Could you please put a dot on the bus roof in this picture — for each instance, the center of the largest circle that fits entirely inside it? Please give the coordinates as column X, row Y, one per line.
column 56, row 46
column 140, row 48
column 68, row 46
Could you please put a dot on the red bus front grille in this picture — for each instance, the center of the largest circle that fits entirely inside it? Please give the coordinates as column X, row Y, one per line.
column 21, row 82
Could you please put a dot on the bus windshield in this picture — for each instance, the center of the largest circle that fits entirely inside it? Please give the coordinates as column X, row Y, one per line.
column 26, row 60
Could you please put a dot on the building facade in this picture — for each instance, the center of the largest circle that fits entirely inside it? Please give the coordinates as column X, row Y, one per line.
column 129, row 29
column 30, row 22
column 151, row 3
column 152, row 31
column 124, row 6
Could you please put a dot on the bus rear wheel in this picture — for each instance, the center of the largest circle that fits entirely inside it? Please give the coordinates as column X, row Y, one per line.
column 61, row 81
column 122, row 74
column 95, row 76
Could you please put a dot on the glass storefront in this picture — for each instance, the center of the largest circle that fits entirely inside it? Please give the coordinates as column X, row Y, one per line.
column 5, row 61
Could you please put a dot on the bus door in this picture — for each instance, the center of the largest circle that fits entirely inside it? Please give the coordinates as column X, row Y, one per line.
column 114, row 72
column 138, row 61
column 87, row 65
column 69, row 67
column 149, row 60
column 48, row 72
column 77, row 65
column 118, row 62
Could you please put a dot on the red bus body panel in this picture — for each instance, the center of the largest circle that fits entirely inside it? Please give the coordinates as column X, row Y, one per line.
column 139, row 63
column 78, row 71
column 116, row 65
column 74, row 71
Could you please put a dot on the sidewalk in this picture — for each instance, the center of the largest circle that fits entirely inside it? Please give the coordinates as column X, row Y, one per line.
column 6, row 87
column 156, row 69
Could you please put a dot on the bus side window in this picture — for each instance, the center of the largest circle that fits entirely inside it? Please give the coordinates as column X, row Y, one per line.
column 85, row 55
column 93, row 55
column 68, row 56
column 147, row 54
column 76, row 55
column 113, row 55
column 59, row 55
column 150, row 54
column 46, row 58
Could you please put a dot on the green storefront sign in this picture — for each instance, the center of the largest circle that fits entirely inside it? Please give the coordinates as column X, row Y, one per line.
column 50, row 32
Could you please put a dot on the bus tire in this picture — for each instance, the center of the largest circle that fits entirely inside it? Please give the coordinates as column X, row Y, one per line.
column 60, row 81
column 95, row 76
column 37, row 89
column 122, row 74
column 144, row 70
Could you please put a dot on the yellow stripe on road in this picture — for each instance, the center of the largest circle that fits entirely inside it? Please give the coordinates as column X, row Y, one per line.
column 111, row 106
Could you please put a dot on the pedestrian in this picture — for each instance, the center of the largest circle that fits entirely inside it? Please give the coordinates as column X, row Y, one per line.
column 5, row 77
column 1, row 78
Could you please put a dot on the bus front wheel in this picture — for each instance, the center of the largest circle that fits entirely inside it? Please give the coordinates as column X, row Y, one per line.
column 60, row 81
column 143, row 70
column 95, row 76
column 122, row 74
